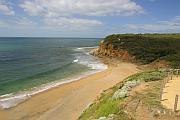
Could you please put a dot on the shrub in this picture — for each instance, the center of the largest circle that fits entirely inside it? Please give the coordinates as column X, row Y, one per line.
column 148, row 47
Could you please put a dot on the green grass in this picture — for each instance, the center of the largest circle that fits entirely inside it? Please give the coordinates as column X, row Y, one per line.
column 105, row 105
column 151, row 96
column 148, row 76
column 104, row 108
column 108, row 107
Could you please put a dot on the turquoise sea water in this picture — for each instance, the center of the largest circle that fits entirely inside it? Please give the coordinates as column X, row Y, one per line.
column 26, row 63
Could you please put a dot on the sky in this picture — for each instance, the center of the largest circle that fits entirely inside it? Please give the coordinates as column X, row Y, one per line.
column 87, row 18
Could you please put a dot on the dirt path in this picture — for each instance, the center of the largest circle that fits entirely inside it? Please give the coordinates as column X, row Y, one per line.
column 67, row 101
column 172, row 88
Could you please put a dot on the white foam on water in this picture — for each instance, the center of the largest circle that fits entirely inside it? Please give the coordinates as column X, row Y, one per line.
column 75, row 61
column 94, row 65
column 6, row 95
column 80, row 48
column 11, row 100
column 85, row 58
column 85, row 48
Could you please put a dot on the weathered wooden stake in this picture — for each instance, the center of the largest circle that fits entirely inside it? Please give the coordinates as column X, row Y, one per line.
column 172, row 72
column 168, row 77
column 176, row 103
column 178, row 72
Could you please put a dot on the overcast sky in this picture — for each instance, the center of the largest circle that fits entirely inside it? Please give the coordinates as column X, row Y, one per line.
column 87, row 18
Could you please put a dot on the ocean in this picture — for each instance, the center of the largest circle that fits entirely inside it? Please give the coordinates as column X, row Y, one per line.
column 31, row 65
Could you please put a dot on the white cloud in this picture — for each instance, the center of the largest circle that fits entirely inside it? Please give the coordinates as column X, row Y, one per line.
column 72, row 23
column 68, row 13
column 170, row 26
column 59, row 8
column 24, row 22
column 18, row 23
column 5, row 8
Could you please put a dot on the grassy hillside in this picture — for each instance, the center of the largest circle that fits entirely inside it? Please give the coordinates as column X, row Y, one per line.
column 148, row 47
column 106, row 105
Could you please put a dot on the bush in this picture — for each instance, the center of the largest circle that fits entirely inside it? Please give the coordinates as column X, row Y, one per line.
column 148, row 76
column 148, row 47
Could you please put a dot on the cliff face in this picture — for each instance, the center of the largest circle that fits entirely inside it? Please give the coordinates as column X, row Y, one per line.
column 110, row 51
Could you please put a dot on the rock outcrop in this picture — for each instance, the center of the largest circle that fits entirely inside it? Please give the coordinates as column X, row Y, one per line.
column 109, row 50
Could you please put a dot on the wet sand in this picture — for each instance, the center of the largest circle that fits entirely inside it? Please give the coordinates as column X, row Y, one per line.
column 67, row 101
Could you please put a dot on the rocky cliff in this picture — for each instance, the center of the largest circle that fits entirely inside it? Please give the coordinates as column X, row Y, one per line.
column 108, row 50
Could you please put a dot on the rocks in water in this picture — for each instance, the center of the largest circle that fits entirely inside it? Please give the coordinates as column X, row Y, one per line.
column 124, row 91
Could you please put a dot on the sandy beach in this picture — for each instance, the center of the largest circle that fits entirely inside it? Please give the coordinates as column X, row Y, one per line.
column 67, row 101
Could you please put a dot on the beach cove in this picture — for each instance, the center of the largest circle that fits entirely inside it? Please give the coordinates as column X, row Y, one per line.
column 67, row 101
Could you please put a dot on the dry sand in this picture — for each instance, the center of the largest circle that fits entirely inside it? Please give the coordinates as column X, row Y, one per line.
column 67, row 101
column 170, row 91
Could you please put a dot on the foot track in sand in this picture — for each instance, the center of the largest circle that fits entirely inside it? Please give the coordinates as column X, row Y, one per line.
column 171, row 89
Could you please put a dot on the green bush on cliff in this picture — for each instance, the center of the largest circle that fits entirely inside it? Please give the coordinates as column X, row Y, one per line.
column 148, row 47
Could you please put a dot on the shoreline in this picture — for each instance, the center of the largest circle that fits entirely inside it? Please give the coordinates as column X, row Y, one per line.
column 11, row 100
column 62, row 101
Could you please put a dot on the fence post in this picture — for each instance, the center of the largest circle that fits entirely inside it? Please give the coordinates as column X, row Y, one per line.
column 177, row 72
column 176, row 103
column 172, row 72
column 168, row 77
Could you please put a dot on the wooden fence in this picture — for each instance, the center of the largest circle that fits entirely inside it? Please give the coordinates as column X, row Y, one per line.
column 170, row 74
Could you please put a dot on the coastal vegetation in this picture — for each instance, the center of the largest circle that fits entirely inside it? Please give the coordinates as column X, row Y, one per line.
column 147, row 48
column 119, row 109
column 138, row 96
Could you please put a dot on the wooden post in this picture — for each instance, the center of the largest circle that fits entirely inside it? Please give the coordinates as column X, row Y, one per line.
column 172, row 74
column 176, row 103
column 168, row 77
column 177, row 72
column 163, row 86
